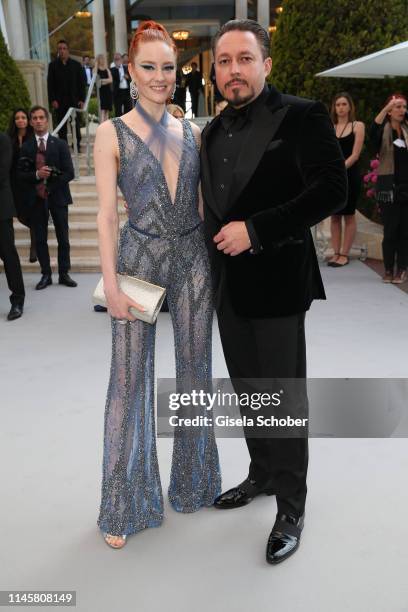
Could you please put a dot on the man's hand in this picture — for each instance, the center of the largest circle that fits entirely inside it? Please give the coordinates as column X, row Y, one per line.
column 44, row 172
column 233, row 238
column 54, row 104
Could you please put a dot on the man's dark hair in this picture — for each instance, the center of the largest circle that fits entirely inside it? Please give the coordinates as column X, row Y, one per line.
column 194, row 64
column 36, row 108
column 245, row 25
column 62, row 42
column 85, row 56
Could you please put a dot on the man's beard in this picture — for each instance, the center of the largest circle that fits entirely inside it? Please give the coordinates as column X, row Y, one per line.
column 235, row 98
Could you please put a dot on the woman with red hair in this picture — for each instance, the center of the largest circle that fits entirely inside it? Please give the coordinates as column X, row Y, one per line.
column 154, row 159
column 389, row 137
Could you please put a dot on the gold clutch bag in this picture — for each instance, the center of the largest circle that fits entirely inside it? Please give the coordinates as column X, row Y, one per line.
column 150, row 296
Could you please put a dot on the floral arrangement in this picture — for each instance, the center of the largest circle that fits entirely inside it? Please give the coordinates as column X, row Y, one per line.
column 370, row 178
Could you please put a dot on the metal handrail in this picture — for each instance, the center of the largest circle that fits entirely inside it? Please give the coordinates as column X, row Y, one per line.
column 71, row 112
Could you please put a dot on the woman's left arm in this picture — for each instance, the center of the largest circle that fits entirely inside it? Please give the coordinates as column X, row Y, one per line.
column 359, row 131
column 109, row 79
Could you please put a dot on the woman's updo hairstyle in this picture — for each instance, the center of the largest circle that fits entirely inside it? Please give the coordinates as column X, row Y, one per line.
column 149, row 31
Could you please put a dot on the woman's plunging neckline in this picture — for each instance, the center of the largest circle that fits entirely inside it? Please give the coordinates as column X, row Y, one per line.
column 158, row 162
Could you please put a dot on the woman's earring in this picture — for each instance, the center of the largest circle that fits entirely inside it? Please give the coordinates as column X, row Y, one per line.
column 174, row 91
column 134, row 93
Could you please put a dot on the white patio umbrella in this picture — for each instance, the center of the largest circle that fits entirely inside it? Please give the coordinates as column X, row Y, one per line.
column 389, row 62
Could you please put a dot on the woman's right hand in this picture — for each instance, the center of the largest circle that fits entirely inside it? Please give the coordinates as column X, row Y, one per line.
column 118, row 304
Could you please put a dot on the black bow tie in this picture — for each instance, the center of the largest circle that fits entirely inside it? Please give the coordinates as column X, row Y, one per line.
column 234, row 116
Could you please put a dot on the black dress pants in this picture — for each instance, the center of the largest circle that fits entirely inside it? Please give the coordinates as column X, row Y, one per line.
column 194, row 94
column 270, row 348
column 395, row 241
column 11, row 261
column 122, row 102
column 59, row 216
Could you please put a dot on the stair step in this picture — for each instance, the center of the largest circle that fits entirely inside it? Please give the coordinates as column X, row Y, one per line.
column 84, row 247
column 80, row 230
column 78, row 264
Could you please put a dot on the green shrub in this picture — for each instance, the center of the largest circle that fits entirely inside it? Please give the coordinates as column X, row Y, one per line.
column 13, row 90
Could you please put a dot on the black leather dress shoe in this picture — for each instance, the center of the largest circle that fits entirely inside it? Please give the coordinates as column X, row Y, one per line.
column 15, row 312
column 284, row 538
column 241, row 495
column 44, row 282
column 99, row 308
column 65, row 279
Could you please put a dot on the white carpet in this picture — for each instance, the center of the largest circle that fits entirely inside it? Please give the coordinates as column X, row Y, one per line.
column 54, row 370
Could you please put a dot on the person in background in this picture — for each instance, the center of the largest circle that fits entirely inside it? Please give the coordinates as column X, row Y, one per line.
column 219, row 101
column 389, row 138
column 194, row 82
column 19, row 131
column 46, row 169
column 219, row 107
column 121, row 87
column 66, row 87
column 86, row 65
column 105, row 91
column 8, row 251
column 175, row 110
column 179, row 97
column 350, row 134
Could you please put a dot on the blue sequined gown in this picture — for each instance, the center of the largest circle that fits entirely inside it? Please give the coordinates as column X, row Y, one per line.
column 162, row 242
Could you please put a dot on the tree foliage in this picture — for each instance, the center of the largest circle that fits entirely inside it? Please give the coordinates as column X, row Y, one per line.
column 315, row 35
column 78, row 32
column 13, row 90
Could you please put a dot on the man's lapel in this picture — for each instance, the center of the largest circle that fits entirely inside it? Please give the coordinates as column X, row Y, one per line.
column 206, row 185
column 268, row 119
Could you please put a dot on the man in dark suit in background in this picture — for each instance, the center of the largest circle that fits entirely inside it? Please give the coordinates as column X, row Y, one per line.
column 194, row 82
column 271, row 168
column 8, row 251
column 121, row 86
column 87, row 68
column 66, row 87
column 46, row 168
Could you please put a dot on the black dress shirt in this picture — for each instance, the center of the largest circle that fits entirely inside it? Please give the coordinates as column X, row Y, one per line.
column 224, row 147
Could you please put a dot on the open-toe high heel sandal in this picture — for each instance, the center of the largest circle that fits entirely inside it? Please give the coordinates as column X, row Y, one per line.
column 121, row 542
column 332, row 261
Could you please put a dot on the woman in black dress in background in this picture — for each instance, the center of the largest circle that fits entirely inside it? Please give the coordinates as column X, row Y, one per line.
column 19, row 131
column 350, row 134
column 105, row 90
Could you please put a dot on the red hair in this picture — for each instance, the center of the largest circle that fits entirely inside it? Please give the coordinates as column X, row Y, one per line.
column 150, row 31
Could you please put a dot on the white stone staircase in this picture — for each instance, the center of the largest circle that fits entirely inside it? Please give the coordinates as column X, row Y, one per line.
column 82, row 227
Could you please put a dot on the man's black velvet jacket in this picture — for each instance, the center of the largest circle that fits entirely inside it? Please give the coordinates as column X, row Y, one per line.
column 290, row 175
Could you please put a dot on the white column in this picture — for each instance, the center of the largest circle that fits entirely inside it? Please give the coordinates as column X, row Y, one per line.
column 121, row 42
column 263, row 13
column 98, row 24
column 17, row 30
column 241, row 9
